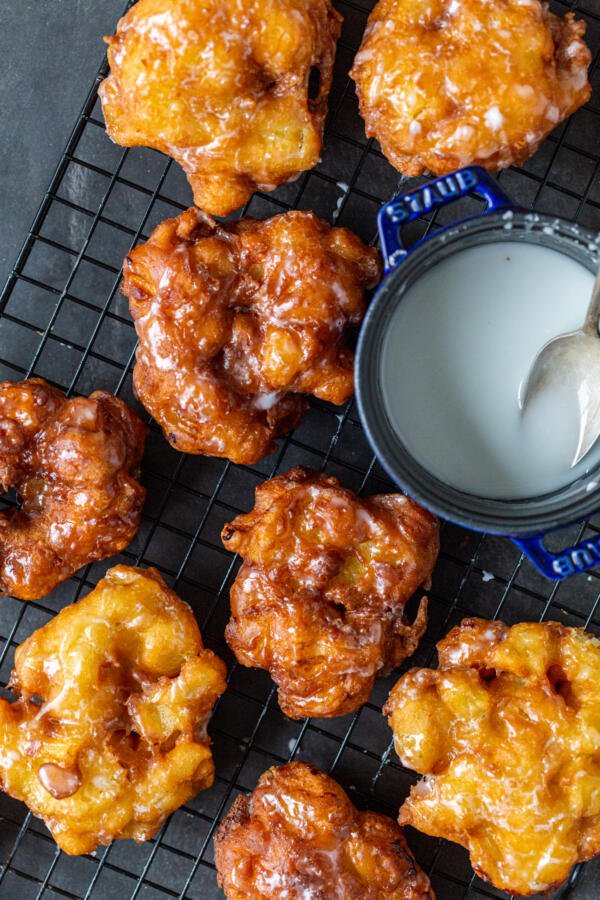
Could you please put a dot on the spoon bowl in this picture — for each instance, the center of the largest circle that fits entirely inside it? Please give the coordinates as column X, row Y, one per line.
column 572, row 361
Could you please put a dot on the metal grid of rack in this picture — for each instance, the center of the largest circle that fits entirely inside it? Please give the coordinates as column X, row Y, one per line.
column 62, row 318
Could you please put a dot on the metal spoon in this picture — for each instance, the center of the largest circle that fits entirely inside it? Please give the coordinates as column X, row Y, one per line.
column 573, row 360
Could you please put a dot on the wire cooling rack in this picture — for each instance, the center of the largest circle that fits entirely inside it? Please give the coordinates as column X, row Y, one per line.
column 62, row 318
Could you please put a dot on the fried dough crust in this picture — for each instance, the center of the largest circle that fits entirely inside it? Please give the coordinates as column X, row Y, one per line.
column 234, row 90
column 453, row 82
column 74, row 464
column 237, row 321
column 108, row 734
column 507, row 733
column 319, row 601
column 298, row 835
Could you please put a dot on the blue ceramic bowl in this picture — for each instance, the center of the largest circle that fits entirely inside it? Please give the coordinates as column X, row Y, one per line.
column 528, row 520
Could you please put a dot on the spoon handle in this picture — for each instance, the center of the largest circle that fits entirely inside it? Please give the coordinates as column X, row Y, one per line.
column 590, row 326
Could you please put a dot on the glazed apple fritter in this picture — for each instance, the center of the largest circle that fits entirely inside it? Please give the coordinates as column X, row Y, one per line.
column 234, row 90
column 236, row 321
column 507, row 733
column 453, row 82
column 298, row 835
column 108, row 735
column 74, row 464
column 319, row 601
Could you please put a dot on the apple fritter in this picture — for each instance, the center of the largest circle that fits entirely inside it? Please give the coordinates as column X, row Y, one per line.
column 298, row 835
column 507, row 734
column 319, row 601
column 237, row 321
column 108, row 734
column 74, row 464
column 234, row 90
column 453, row 82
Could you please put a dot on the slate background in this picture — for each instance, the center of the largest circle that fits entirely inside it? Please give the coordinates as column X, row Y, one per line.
column 50, row 51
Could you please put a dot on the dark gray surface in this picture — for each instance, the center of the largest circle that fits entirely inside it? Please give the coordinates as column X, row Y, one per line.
column 50, row 52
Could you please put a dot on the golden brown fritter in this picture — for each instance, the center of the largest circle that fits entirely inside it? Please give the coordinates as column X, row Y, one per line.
column 108, row 735
column 298, row 835
column 453, row 82
column 236, row 321
column 234, row 90
column 75, row 465
column 507, row 733
column 319, row 601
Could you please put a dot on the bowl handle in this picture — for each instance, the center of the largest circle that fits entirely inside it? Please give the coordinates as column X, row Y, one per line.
column 404, row 208
column 583, row 556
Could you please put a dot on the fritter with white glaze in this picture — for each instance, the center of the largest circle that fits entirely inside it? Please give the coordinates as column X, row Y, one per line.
column 507, row 734
column 447, row 83
column 298, row 835
column 108, row 734
column 234, row 90
column 319, row 601
column 75, row 465
column 236, row 322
